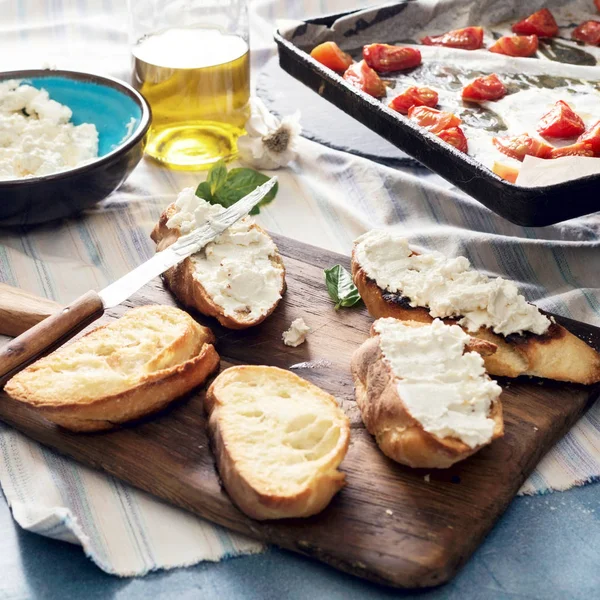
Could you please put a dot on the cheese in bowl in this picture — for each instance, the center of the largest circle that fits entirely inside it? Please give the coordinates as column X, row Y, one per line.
column 37, row 136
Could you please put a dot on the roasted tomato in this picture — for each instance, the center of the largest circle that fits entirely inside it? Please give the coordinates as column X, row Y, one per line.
column 332, row 56
column 561, row 122
column 432, row 119
column 588, row 32
column 540, row 23
column 577, row 149
column 455, row 137
column 521, row 146
column 414, row 96
column 592, row 136
column 361, row 75
column 506, row 172
column 484, row 88
column 516, row 45
column 385, row 58
column 469, row 38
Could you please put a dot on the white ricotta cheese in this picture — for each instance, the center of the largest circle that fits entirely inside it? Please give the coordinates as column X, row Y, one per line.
column 36, row 137
column 443, row 387
column 237, row 269
column 448, row 287
column 296, row 334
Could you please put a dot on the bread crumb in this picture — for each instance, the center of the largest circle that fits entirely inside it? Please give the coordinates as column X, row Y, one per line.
column 296, row 334
column 535, row 428
column 427, row 478
column 389, row 512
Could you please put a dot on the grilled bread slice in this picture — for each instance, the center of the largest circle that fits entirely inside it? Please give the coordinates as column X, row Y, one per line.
column 400, row 431
column 556, row 354
column 239, row 278
column 122, row 371
column 278, row 441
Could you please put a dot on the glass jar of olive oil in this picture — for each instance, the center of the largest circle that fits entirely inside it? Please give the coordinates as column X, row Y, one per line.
column 191, row 62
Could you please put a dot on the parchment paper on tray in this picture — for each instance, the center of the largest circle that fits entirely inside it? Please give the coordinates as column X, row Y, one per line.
column 534, row 85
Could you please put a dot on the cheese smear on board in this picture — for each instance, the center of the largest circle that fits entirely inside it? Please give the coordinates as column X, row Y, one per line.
column 36, row 137
column 236, row 269
column 448, row 287
column 296, row 334
column 443, row 387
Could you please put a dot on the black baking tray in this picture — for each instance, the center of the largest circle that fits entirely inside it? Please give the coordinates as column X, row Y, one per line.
column 533, row 207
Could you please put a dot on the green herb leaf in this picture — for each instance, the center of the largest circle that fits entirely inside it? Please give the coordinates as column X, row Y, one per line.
column 217, row 176
column 203, row 191
column 239, row 183
column 226, row 188
column 340, row 286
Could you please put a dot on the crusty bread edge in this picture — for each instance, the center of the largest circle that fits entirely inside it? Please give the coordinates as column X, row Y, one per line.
column 153, row 393
column 318, row 491
column 560, row 355
column 398, row 435
column 189, row 291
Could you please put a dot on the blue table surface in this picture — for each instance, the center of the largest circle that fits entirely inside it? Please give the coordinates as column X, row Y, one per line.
column 544, row 547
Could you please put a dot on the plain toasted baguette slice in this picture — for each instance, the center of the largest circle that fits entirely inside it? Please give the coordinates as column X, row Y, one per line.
column 558, row 354
column 398, row 434
column 122, row 371
column 278, row 441
column 190, row 291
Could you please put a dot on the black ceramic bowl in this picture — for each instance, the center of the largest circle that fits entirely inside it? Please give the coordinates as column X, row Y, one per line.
column 121, row 116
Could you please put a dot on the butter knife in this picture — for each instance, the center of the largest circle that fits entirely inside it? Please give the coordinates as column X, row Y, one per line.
column 63, row 325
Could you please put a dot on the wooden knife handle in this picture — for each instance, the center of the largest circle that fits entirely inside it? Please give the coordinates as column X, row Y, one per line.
column 20, row 310
column 48, row 334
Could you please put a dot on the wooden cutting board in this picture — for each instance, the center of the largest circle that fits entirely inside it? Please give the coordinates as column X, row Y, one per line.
column 389, row 524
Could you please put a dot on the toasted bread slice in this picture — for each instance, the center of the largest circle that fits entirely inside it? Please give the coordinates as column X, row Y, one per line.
column 239, row 278
column 122, row 371
column 400, row 435
column 556, row 354
column 278, row 441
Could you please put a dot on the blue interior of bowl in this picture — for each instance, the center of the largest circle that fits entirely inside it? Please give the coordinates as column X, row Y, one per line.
column 115, row 115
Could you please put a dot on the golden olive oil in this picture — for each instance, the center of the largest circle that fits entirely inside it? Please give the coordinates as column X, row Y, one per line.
column 197, row 81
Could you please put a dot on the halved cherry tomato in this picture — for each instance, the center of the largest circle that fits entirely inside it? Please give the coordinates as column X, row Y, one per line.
column 331, row 55
column 385, row 58
column 469, row 38
column 506, row 172
column 588, row 32
column 561, row 122
column 592, row 136
column 361, row 75
column 521, row 146
column 577, row 149
column 540, row 23
column 484, row 88
column 516, row 45
column 414, row 96
column 455, row 137
column 432, row 119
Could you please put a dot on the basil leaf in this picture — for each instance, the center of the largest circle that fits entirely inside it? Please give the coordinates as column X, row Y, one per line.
column 203, row 191
column 239, row 183
column 340, row 286
column 217, row 176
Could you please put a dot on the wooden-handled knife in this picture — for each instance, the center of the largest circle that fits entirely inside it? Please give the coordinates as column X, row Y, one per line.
column 20, row 310
column 53, row 331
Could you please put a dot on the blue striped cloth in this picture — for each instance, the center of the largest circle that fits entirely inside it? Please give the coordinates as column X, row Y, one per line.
column 326, row 198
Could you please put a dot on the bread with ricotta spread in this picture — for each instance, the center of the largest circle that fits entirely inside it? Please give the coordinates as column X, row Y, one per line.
column 130, row 368
column 423, row 392
column 238, row 278
column 394, row 281
column 278, row 441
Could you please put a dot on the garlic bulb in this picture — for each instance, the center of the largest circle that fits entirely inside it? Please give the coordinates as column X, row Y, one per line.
column 270, row 143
